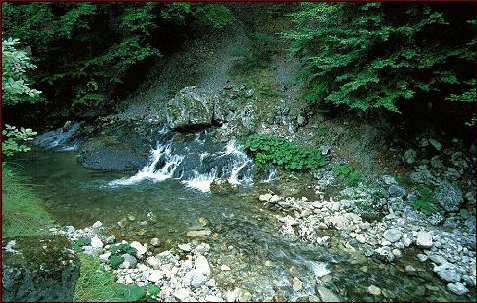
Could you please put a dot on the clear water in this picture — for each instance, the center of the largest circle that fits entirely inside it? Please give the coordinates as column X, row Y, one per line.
column 244, row 236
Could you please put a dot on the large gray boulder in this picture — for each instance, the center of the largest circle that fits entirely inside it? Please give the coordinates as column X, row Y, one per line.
column 450, row 197
column 191, row 108
column 220, row 186
column 38, row 269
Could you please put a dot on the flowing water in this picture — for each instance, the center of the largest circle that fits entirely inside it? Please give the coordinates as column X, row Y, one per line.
column 170, row 194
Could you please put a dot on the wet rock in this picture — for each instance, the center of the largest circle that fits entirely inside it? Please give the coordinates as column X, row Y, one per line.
column 410, row 156
column 327, row 295
column 392, row 235
column 396, row 191
column 436, row 144
column 220, row 186
column 38, row 269
column 384, row 254
column 424, row 239
column 199, row 233
column 202, row 265
column 190, row 108
column 374, row 290
column 457, row 288
column 448, row 272
column 450, row 197
column 297, row 284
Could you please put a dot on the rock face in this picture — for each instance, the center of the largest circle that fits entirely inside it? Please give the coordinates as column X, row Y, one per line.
column 38, row 269
column 449, row 197
column 190, row 108
column 220, row 186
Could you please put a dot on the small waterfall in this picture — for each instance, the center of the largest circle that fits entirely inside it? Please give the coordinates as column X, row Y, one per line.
column 162, row 153
column 272, row 175
column 57, row 137
column 196, row 163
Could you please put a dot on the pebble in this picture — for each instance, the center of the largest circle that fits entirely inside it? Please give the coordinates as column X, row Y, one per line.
column 422, row 257
column 155, row 242
column 374, row 290
column 185, row 247
column 224, row 268
column 97, row 224
column 182, row 294
column 392, row 235
column 297, row 284
column 424, row 239
column 265, row 197
column 361, row 238
column 155, row 276
column 96, row 242
column 202, row 265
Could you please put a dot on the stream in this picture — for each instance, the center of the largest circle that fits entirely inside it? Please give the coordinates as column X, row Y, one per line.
column 169, row 195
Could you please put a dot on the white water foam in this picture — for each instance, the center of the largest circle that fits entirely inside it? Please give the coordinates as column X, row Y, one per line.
column 201, row 182
column 272, row 175
column 150, row 172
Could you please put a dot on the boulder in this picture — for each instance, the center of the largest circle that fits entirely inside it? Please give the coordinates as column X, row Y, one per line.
column 220, row 186
column 410, row 156
column 424, row 239
column 457, row 288
column 140, row 249
column 202, row 265
column 392, row 235
column 191, row 108
column 38, row 269
column 448, row 272
column 449, row 196
column 129, row 262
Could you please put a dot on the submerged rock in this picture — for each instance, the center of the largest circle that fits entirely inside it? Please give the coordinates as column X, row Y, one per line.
column 220, row 186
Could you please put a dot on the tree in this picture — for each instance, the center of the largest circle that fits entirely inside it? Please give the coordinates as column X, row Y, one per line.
column 372, row 55
column 15, row 89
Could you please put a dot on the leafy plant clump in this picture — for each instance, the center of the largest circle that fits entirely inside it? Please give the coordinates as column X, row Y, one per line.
column 115, row 260
column 426, row 203
column 268, row 149
column 349, row 174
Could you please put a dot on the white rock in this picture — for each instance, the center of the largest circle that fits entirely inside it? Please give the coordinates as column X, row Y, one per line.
column 97, row 224
column 274, row 199
column 128, row 280
column 334, row 206
column 424, row 239
column 360, row 238
column 188, row 277
column 265, row 197
column 297, row 284
column 457, row 288
column 141, row 250
column 202, row 265
column 198, row 280
column 153, row 262
column 182, row 294
column 155, row 242
column 96, row 242
column 210, row 298
column 185, row 247
column 104, row 257
column 397, row 253
column 155, row 276
column 231, row 296
column 374, row 290
column 224, row 267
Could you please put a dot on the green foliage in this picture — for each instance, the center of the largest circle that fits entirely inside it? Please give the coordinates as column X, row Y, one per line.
column 85, row 50
column 22, row 211
column 116, row 261
column 268, row 149
column 123, row 249
column 426, row 203
column 83, row 241
column 371, row 55
column 97, row 285
column 15, row 139
column 348, row 173
column 15, row 83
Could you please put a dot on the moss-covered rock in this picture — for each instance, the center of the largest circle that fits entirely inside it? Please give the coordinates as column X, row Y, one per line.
column 38, row 269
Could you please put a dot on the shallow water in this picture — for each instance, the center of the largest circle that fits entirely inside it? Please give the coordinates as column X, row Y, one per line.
column 243, row 236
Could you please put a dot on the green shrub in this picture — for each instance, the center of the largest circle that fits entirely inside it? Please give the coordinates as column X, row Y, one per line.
column 371, row 55
column 115, row 261
column 123, row 249
column 97, row 285
column 426, row 203
column 348, row 174
column 268, row 149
